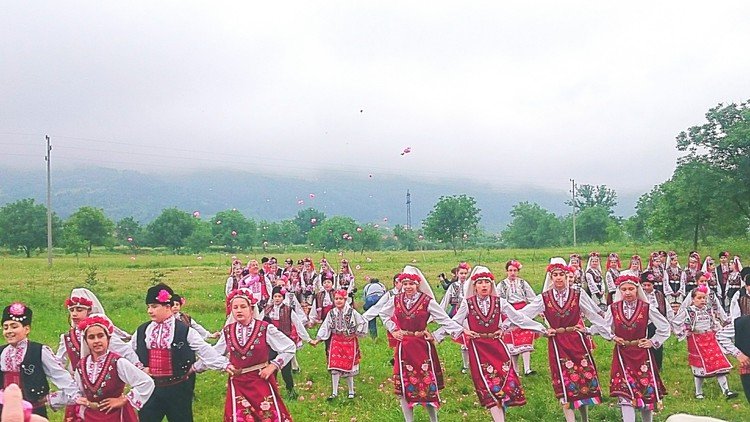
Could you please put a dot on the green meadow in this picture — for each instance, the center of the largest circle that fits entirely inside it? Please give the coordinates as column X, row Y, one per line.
column 120, row 282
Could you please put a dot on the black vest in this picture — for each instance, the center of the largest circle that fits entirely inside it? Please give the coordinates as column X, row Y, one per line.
column 183, row 357
column 742, row 334
column 33, row 377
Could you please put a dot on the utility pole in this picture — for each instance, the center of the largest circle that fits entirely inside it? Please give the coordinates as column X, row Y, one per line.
column 49, row 203
column 574, row 211
column 408, row 210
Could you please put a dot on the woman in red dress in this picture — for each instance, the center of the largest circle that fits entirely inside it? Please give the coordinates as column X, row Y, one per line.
column 102, row 375
column 252, row 392
column 634, row 376
column 483, row 313
column 417, row 375
column 574, row 375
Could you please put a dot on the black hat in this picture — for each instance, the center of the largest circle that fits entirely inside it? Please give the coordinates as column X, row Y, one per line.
column 745, row 275
column 17, row 312
column 647, row 277
column 177, row 299
column 161, row 294
column 264, row 260
column 275, row 290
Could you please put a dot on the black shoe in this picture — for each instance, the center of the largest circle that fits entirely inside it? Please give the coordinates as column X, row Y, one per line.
column 731, row 394
column 530, row 372
column 699, row 396
column 291, row 394
column 392, row 361
column 332, row 397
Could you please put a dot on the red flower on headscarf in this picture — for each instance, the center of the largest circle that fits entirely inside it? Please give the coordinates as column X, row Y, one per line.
column 78, row 301
column 413, row 277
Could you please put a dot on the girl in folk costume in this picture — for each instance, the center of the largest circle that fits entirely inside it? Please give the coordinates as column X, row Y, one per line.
column 235, row 277
column 709, row 271
column 734, row 281
column 322, row 301
column 492, row 371
column 346, row 281
column 595, row 281
column 657, row 300
column 29, row 364
column 698, row 323
column 450, row 302
column 656, row 267
column 634, row 376
column 325, row 267
column 248, row 341
column 257, row 284
column 518, row 293
column 613, row 271
column 575, row 263
column 691, row 272
column 310, row 280
column 286, row 320
column 102, row 375
column 177, row 303
column 417, row 375
column 674, row 283
column 342, row 326
column 574, row 375
column 712, row 300
column 635, row 267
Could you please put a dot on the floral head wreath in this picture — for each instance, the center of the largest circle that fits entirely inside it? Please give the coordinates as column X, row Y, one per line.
column 77, row 301
column 340, row 293
column 627, row 279
column 553, row 267
column 97, row 320
column 482, row 276
column 241, row 294
column 594, row 255
column 702, row 288
column 412, row 277
column 514, row 263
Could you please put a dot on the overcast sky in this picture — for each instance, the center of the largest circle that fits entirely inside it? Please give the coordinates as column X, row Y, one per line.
column 531, row 93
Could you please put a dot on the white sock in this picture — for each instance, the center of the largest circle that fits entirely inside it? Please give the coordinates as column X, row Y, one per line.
column 570, row 415
column 698, row 385
column 723, row 383
column 295, row 364
column 408, row 411
column 432, row 412
column 526, row 361
column 647, row 415
column 497, row 414
column 335, row 382
column 465, row 357
column 584, row 413
column 628, row 413
column 514, row 359
column 350, row 381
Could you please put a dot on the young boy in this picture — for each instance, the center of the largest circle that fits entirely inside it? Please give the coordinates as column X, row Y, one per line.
column 657, row 300
column 29, row 364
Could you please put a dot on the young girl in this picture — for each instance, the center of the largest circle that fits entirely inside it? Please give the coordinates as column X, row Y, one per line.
column 613, row 271
column 698, row 323
column 346, row 281
column 518, row 293
column 252, row 393
column 482, row 314
column 343, row 325
column 634, row 376
column 674, row 284
column 595, row 281
column 235, row 276
column 451, row 301
column 417, row 374
column 102, row 374
column 569, row 352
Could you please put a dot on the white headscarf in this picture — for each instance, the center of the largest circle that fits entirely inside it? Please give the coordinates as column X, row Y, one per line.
column 96, row 307
column 246, row 294
column 588, row 261
column 639, row 288
column 108, row 326
column 704, row 268
column 469, row 290
column 423, row 285
column 548, row 278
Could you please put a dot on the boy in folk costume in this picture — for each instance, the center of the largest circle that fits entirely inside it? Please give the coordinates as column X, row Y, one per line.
column 698, row 323
column 691, row 272
column 595, row 281
column 634, row 376
column 286, row 320
column 657, row 300
column 102, row 374
column 417, row 375
column 518, row 293
column 451, row 301
column 613, row 271
column 29, row 364
column 248, row 341
column 342, row 326
column 167, row 349
column 575, row 263
column 659, row 274
column 482, row 314
column 572, row 367
column 346, row 281
column 177, row 303
column 674, row 284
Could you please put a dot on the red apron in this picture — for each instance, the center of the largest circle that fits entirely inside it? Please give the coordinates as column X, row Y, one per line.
column 107, row 385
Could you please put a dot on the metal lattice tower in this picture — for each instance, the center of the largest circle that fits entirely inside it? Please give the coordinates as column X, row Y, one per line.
column 408, row 210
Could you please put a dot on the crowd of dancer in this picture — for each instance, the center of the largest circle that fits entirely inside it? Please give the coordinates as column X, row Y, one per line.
column 270, row 308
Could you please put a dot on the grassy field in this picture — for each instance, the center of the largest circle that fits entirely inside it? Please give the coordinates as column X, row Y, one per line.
column 121, row 282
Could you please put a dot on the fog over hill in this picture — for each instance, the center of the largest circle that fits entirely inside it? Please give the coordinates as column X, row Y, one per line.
column 123, row 193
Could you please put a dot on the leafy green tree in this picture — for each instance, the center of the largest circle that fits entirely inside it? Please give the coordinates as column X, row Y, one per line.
column 588, row 196
column 593, row 224
column 453, row 219
column 366, row 237
column 233, row 230
column 723, row 142
column 406, row 238
column 129, row 231
column 306, row 220
column 171, row 228
column 92, row 226
column 23, row 225
column 72, row 240
column 201, row 237
column 335, row 233
column 636, row 226
column 532, row 227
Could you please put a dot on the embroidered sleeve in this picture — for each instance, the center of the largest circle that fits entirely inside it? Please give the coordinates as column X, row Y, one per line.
column 141, row 385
